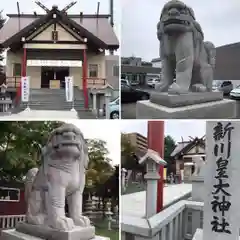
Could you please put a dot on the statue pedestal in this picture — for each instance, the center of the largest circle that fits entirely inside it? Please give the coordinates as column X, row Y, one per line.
column 220, row 109
column 13, row 234
column 199, row 235
column 26, row 231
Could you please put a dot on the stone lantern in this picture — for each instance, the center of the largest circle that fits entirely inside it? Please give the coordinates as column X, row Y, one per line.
column 153, row 162
column 108, row 93
column 106, row 90
column 3, row 88
column 123, row 183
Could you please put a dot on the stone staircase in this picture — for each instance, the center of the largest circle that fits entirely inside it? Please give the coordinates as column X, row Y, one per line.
column 54, row 99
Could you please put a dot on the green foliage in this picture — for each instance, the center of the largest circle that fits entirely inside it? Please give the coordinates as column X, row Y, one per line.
column 128, row 150
column 20, row 150
column 99, row 168
column 127, row 153
column 169, row 145
column 20, row 146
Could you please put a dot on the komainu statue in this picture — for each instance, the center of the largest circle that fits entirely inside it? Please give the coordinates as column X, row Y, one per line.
column 198, row 165
column 61, row 176
column 187, row 61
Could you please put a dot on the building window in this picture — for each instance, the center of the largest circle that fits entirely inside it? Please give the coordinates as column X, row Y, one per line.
column 9, row 194
column 93, row 70
column 17, row 69
column 123, row 76
column 116, row 71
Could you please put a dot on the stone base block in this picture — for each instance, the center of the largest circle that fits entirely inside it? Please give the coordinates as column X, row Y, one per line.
column 199, row 235
column 13, row 234
column 223, row 109
column 44, row 232
column 191, row 98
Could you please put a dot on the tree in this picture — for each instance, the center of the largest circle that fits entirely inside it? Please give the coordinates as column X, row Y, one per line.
column 20, row 150
column 99, row 168
column 20, row 147
column 2, row 72
column 128, row 152
column 169, row 146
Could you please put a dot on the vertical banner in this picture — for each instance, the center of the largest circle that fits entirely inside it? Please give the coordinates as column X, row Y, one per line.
column 221, row 206
column 69, row 89
column 25, row 88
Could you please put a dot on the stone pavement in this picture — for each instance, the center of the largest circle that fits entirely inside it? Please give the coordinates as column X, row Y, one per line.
column 134, row 204
column 49, row 114
column 41, row 115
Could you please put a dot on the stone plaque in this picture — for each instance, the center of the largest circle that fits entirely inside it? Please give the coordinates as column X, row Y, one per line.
column 221, row 206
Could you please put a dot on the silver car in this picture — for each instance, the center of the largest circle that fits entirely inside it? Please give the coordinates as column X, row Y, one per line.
column 222, row 86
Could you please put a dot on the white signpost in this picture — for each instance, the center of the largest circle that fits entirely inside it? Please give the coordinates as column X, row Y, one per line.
column 69, row 91
column 221, row 206
column 25, row 88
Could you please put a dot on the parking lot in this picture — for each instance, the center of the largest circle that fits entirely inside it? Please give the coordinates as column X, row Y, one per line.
column 129, row 109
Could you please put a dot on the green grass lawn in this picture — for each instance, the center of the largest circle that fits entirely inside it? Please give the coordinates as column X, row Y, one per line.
column 101, row 228
column 113, row 234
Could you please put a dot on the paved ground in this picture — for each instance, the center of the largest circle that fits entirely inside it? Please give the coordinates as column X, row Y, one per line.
column 48, row 114
column 41, row 115
column 134, row 204
column 129, row 109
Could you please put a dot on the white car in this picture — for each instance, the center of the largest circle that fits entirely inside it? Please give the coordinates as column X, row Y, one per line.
column 235, row 93
column 125, row 81
column 153, row 81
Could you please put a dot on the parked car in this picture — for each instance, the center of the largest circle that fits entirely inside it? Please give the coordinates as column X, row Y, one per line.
column 129, row 94
column 235, row 93
column 134, row 83
column 222, row 86
column 113, row 109
column 152, row 82
column 125, row 81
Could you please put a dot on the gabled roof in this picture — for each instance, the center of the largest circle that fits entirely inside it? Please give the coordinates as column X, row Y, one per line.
column 96, row 28
column 154, row 156
column 184, row 147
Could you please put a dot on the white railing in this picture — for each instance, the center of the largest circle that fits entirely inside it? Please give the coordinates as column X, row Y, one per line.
column 10, row 221
column 177, row 222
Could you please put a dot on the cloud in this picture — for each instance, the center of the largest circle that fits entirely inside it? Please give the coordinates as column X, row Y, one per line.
column 219, row 21
column 177, row 129
column 108, row 131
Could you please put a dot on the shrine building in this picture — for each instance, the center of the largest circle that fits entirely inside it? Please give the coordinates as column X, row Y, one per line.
column 49, row 47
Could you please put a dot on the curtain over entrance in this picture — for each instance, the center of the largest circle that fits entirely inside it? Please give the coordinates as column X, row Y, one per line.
column 53, row 77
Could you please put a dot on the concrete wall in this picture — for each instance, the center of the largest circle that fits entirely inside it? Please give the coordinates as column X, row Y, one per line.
column 112, row 61
column 157, row 64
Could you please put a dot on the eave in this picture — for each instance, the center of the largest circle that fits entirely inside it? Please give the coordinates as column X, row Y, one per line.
column 16, row 40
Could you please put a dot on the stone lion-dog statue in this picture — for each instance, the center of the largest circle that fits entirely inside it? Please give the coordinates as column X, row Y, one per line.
column 199, row 164
column 61, row 176
column 187, row 61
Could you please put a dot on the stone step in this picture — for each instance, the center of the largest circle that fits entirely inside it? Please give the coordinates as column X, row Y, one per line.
column 54, row 99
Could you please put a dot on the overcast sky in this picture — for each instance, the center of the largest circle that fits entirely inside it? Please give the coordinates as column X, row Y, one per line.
column 108, row 131
column 175, row 128
column 219, row 20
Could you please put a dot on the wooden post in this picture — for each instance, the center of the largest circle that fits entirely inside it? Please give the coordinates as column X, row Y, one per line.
column 84, row 74
column 156, row 143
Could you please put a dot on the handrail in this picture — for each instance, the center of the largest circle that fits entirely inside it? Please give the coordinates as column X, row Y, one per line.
column 173, row 220
column 14, row 81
